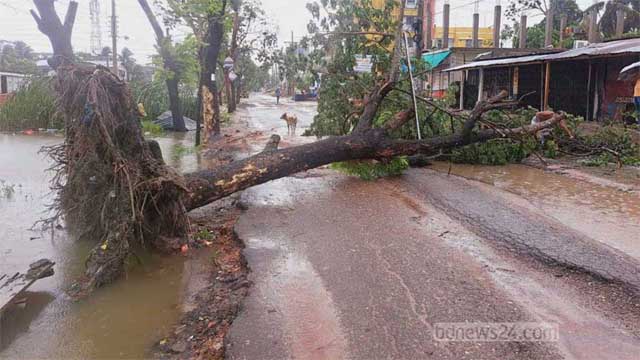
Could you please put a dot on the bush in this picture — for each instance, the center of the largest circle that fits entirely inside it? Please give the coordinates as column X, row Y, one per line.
column 31, row 107
column 371, row 169
column 155, row 98
column 151, row 128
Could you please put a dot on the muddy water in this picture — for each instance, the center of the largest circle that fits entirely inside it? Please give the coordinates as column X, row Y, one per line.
column 120, row 321
column 604, row 213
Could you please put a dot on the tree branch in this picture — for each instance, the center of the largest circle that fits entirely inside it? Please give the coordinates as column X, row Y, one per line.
column 480, row 108
column 379, row 92
column 59, row 34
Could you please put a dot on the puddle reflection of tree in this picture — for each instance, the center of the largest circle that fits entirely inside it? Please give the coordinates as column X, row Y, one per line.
column 17, row 319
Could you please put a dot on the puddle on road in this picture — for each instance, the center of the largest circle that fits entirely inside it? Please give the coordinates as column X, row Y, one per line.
column 606, row 214
column 311, row 321
column 120, row 321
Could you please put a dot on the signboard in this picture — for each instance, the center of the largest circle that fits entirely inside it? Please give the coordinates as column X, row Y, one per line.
column 364, row 64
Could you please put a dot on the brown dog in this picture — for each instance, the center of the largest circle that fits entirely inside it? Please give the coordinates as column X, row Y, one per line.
column 292, row 122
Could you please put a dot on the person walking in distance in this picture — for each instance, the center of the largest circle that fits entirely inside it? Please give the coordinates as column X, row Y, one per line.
column 278, row 93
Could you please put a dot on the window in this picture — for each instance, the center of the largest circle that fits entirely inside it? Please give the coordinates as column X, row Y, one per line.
column 411, row 4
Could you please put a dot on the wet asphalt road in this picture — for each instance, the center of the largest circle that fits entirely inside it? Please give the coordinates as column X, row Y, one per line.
column 350, row 269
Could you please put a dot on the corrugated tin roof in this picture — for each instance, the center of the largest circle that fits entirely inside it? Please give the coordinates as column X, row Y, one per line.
column 12, row 74
column 619, row 47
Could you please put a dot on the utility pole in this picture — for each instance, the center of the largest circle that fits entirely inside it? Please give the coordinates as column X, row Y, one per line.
column 619, row 23
column 114, row 37
column 563, row 25
column 497, row 18
column 445, row 24
column 420, row 28
column 476, row 25
column 548, row 33
column 428, row 36
column 523, row 31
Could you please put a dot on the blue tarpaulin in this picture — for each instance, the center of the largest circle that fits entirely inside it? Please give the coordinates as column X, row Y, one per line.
column 434, row 59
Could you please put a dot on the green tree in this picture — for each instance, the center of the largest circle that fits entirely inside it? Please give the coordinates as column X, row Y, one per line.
column 17, row 58
column 535, row 33
column 338, row 32
column 608, row 19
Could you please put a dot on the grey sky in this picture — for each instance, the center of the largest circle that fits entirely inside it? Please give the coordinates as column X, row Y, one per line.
column 135, row 33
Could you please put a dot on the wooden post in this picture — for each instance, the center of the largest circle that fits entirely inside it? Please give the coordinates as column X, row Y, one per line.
column 445, row 25
column 547, row 80
column 541, row 87
column 462, row 83
column 619, row 23
column 480, row 84
column 428, row 23
column 563, row 25
column 523, row 32
column 476, row 28
column 516, row 81
column 587, row 117
column 497, row 17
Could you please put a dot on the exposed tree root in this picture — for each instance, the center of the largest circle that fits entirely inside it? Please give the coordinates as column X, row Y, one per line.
column 112, row 187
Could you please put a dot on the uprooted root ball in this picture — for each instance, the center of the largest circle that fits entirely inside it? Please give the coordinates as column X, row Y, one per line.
column 112, row 189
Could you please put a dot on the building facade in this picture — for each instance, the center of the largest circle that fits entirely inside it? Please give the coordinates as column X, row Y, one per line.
column 462, row 37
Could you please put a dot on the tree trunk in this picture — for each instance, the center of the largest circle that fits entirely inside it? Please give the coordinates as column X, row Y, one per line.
column 230, row 86
column 199, row 118
column 170, row 64
column 228, row 93
column 175, row 106
column 207, row 186
column 210, row 100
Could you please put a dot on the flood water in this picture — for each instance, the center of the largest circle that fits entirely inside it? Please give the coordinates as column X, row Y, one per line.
column 604, row 213
column 120, row 321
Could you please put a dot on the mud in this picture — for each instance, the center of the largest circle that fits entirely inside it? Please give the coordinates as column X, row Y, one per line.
column 218, row 286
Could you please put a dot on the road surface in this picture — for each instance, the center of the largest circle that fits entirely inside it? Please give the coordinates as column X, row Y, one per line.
column 368, row 270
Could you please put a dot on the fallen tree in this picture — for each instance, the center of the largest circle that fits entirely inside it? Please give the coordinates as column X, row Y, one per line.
column 114, row 188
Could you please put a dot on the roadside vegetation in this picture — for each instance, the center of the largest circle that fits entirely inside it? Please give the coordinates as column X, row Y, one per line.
column 31, row 107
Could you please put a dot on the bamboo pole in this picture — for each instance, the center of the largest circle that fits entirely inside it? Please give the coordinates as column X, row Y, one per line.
column 547, row 80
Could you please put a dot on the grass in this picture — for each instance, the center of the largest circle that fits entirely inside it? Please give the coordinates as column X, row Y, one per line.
column 151, row 128
column 31, row 107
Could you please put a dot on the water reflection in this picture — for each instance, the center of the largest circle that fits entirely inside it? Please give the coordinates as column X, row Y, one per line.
column 604, row 213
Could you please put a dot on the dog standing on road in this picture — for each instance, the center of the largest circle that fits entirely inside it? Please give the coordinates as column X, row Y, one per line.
column 292, row 123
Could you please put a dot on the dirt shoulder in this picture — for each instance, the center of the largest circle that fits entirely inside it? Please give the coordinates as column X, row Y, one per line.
column 218, row 283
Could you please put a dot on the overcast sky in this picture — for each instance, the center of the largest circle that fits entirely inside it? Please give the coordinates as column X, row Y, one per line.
column 136, row 34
